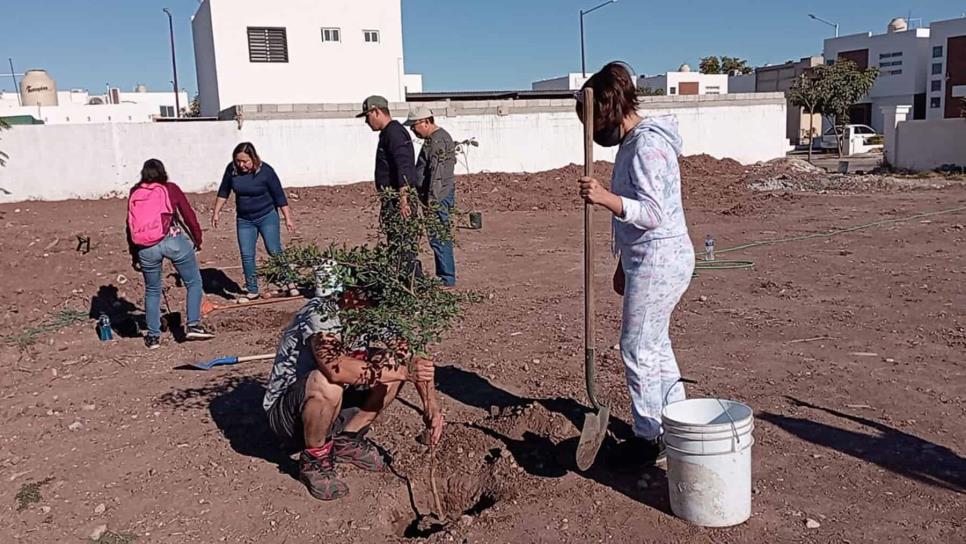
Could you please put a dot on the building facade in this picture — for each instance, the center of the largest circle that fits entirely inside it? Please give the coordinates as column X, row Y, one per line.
column 947, row 69
column 685, row 82
column 902, row 56
column 780, row 78
column 298, row 52
column 569, row 82
column 78, row 106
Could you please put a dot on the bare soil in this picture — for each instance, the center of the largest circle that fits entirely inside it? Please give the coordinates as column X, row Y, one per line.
column 850, row 349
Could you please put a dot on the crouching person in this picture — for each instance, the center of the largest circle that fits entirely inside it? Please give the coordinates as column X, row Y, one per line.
column 324, row 395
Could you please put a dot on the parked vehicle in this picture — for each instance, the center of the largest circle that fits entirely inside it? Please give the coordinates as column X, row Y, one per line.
column 832, row 134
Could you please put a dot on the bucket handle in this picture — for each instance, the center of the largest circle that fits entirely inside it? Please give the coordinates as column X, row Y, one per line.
column 734, row 427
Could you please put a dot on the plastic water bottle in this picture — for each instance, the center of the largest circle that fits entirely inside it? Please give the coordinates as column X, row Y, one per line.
column 709, row 248
column 104, row 328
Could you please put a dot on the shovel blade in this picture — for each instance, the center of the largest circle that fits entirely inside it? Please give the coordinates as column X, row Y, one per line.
column 592, row 436
column 208, row 365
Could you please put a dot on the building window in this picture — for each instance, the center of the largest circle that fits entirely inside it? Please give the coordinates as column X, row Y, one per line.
column 712, row 89
column 674, row 90
column 937, row 69
column 890, row 55
column 267, row 44
column 370, row 36
column 936, row 85
column 891, row 63
column 935, row 102
column 167, row 111
column 331, row 35
column 891, row 72
column 937, row 51
column 829, row 62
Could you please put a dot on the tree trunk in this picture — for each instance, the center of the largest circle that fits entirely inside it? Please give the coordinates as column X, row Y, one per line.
column 811, row 133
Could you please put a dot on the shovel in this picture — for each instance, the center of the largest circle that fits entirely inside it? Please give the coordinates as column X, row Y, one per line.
column 595, row 423
column 218, row 361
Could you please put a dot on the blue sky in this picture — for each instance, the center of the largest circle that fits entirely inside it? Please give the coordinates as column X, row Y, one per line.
column 456, row 45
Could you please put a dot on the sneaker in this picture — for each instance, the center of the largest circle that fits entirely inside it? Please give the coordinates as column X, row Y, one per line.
column 320, row 477
column 152, row 342
column 355, row 449
column 198, row 332
column 247, row 297
column 639, row 452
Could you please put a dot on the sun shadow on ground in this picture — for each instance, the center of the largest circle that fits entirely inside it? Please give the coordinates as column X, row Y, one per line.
column 127, row 320
column 235, row 406
column 891, row 449
column 540, row 455
column 214, row 282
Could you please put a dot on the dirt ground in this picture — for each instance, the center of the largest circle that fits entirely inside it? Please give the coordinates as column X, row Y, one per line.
column 851, row 350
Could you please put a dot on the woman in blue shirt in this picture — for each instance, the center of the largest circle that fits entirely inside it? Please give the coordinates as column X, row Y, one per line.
column 258, row 199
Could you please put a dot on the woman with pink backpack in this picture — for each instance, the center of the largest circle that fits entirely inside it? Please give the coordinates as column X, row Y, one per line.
column 161, row 224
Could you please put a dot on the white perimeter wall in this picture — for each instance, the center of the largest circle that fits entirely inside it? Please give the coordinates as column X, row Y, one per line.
column 93, row 161
column 927, row 145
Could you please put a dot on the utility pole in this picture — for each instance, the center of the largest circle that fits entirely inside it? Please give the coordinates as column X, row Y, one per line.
column 174, row 65
column 583, row 60
column 16, row 86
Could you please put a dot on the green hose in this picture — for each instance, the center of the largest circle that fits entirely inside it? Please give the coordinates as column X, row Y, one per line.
column 734, row 265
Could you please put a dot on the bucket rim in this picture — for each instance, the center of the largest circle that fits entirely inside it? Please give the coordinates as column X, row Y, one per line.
column 666, row 419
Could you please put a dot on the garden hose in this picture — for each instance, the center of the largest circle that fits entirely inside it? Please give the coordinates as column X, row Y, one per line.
column 734, row 265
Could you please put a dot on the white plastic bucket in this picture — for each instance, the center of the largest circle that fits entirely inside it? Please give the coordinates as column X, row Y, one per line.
column 709, row 460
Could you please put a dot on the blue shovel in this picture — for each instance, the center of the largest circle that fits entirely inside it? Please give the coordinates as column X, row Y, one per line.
column 208, row 365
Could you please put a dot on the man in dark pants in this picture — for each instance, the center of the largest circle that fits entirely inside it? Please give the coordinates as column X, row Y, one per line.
column 436, row 181
column 395, row 162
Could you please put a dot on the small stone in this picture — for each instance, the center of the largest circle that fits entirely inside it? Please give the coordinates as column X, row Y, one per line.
column 75, row 426
column 89, row 407
column 100, row 509
column 616, row 347
column 703, row 298
column 536, row 361
column 45, row 509
column 466, row 519
column 812, row 524
column 98, row 532
column 890, row 361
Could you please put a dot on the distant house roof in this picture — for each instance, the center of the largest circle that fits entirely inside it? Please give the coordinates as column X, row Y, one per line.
column 488, row 95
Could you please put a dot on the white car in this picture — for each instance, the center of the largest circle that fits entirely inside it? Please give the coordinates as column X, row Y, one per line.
column 831, row 135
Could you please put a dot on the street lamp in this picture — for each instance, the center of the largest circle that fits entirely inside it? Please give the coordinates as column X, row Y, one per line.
column 583, row 60
column 174, row 66
column 829, row 23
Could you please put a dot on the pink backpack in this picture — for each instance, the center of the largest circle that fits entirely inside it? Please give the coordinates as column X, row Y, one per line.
column 146, row 208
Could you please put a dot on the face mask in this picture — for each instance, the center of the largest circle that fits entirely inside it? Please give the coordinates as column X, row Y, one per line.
column 608, row 137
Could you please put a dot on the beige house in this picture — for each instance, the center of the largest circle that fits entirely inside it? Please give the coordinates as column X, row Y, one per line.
column 779, row 78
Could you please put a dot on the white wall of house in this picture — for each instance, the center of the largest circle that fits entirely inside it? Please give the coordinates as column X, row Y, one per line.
column 93, row 161
column 940, row 32
column 317, row 71
column 569, row 82
column 74, row 107
column 927, row 145
column 671, row 82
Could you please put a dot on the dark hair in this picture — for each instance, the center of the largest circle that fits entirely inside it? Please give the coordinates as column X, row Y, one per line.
column 384, row 110
column 615, row 95
column 153, row 172
column 249, row 149
column 431, row 119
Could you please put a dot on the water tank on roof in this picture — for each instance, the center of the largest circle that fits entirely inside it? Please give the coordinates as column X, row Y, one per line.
column 684, row 68
column 141, row 88
column 897, row 25
column 37, row 88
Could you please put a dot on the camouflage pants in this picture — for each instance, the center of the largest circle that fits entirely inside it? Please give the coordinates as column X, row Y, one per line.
column 657, row 273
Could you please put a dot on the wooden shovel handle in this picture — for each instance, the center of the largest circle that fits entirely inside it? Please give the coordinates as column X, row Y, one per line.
column 590, row 326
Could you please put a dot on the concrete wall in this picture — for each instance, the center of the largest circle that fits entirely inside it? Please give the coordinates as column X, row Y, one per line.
column 927, row 145
column 316, row 71
column 93, row 161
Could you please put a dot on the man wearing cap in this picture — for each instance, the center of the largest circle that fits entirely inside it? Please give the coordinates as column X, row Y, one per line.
column 436, row 182
column 395, row 160
column 322, row 396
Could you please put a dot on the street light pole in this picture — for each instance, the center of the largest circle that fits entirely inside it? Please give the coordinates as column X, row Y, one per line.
column 583, row 59
column 174, row 65
column 829, row 23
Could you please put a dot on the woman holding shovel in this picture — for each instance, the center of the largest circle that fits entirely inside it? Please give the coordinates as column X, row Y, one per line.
column 258, row 200
column 656, row 258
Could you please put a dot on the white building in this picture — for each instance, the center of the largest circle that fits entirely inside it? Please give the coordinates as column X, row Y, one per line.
column 947, row 68
column 569, row 82
column 298, row 52
column 79, row 106
column 903, row 57
column 686, row 82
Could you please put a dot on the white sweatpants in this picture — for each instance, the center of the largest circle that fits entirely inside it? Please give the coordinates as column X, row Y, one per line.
column 657, row 273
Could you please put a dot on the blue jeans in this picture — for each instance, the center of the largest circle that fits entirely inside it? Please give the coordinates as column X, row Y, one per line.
column 443, row 251
column 181, row 251
column 248, row 230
